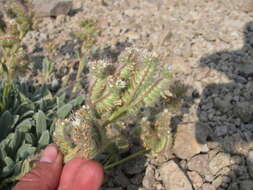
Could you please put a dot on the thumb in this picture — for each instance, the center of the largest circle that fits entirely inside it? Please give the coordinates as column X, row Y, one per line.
column 46, row 174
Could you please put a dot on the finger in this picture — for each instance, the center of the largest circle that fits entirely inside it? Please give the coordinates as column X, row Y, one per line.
column 79, row 174
column 46, row 174
column 89, row 176
column 69, row 172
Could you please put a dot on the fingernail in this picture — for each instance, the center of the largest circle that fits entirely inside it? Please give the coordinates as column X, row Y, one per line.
column 49, row 154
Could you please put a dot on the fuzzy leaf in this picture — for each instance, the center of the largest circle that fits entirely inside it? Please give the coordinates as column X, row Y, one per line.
column 60, row 100
column 25, row 125
column 44, row 139
column 97, row 89
column 152, row 93
column 27, row 114
column 16, row 141
column 9, row 162
column 108, row 103
column 63, row 111
column 6, row 121
column 25, row 150
column 77, row 101
column 2, row 151
column 41, row 122
column 30, row 138
column 140, row 81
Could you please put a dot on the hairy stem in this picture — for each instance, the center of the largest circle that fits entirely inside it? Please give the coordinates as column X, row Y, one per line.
column 141, row 152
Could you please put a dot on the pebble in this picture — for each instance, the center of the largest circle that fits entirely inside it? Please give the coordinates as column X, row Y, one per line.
column 45, row 8
column 250, row 162
column 218, row 162
column 186, row 144
column 196, row 180
column 173, row 177
column 199, row 164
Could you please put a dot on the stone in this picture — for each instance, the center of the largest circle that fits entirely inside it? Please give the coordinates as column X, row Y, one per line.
column 217, row 182
column 186, row 144
column 199, row 164
column 77, row 4
column 132, row 187
column 244, row 110
column 137, row 179
column 121, row 179
column 208, row 186
column 45, row 8
column 179, row 64
column 134, row 166
column 245, row 5
column 246, row 70
column 221, row 160
column 250, row 162
column 149, row 177
column 173, row 177
column 196, row 180
column 246, row 185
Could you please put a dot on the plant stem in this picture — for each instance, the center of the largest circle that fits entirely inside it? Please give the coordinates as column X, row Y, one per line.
column 141, row 152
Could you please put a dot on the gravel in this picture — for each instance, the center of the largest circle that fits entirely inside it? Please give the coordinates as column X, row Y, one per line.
column 209, row 45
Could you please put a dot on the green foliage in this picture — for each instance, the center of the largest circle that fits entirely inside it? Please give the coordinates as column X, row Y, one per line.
column 87, row 33
column 12, row 30
column 47, row 69
column 116, row 92
column 26, row 122
column 156, row 133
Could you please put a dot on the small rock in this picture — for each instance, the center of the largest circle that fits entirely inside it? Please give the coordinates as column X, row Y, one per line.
column 250, row 162
column 44, row 8
column 149, row 178
column 137, row 179
column 217, row 182
column 196, row 180
column 246, row 70
column 173, row 177
column 179, row 64
column 244, row 110
column 220, row 161
column 246, row 185
column 134, row 166
column 245, row 5
column 186, row 144
column 208, row 186
column 199, row 164
column 77, row 4
column 132, row 187
column 121, row 179
column 233, row 186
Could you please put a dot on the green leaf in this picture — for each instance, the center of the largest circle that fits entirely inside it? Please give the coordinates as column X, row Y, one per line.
column 6, row 171
column 30, row 138
column 2, row 151
column 9, row 162
column 47, row 68
column 77, row 101
column 25, row 125
column 24, row 151
column 41, row 123
column 60, row 100
column 6, row 121
column 5, row 68
column 44, row 139
column 16, row 141
column 63, row 111
column 28, row 113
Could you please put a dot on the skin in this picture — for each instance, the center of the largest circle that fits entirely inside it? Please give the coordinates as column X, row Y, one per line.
column 50, row 174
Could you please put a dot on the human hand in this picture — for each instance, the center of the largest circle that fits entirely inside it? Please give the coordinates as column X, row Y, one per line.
column 50, row 174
